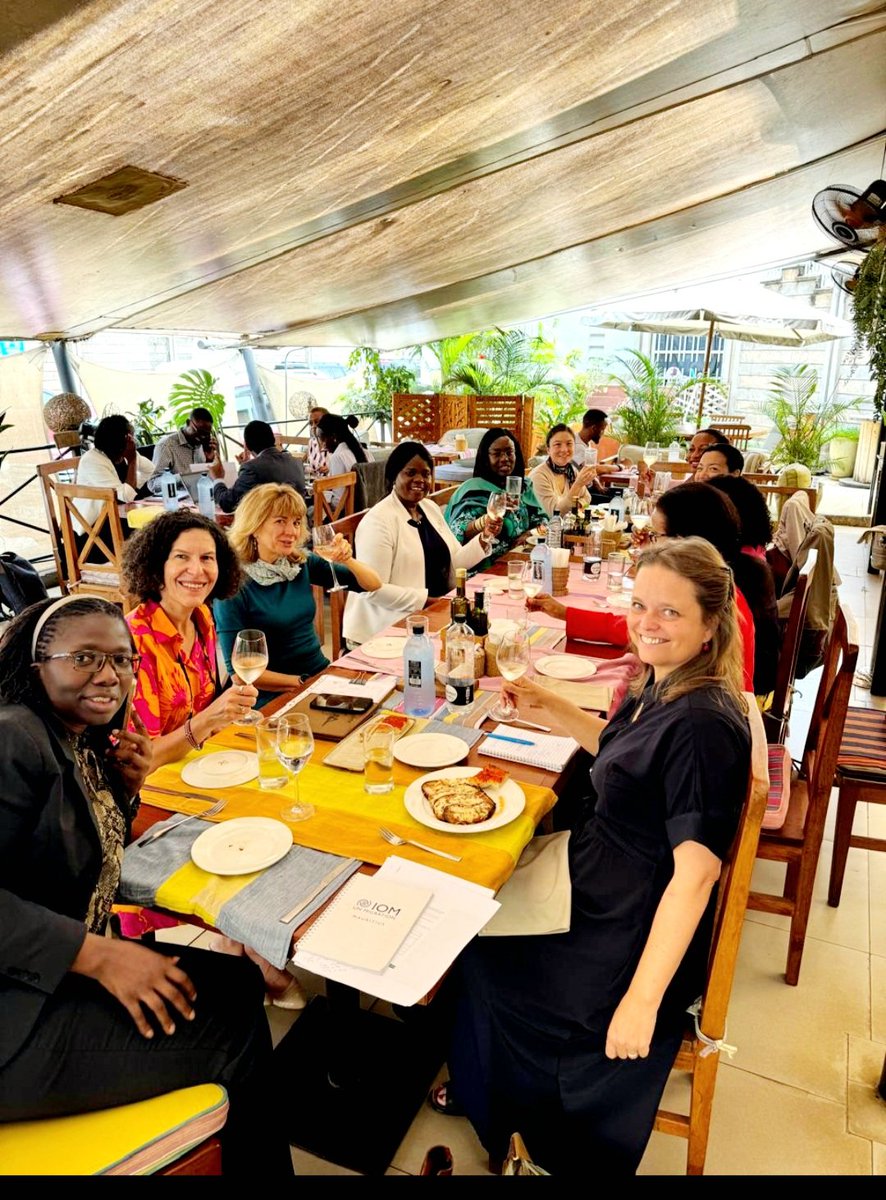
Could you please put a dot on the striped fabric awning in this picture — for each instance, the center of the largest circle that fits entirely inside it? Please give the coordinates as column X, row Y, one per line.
column 863, row 747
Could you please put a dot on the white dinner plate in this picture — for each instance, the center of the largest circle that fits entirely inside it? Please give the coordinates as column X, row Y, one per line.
column 618, row 600
column 384, row 647
column 494, row 587
column 509, row 802
column 430, row 750
column 565, row 666
column 226, row 768
column 241, row 845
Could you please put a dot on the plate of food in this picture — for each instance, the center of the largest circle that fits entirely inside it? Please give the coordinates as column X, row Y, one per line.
column 430, row 750
column 384, row 647
column 225, row 768
column 465, row 799
column 399, row 722
column 565, row 666
column 241, row 845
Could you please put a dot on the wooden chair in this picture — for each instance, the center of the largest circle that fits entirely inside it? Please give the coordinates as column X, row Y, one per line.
column 105, row 535
column 444, row 495
column 738, row 432
column 679, row 470
column 797, row 843
column 861, row 777
column 326, row 511
column 49, row 475
column 773, row 489
column 695, row 1055
column 778, row 714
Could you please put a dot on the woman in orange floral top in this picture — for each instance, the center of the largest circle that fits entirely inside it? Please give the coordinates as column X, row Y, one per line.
column 176, row 565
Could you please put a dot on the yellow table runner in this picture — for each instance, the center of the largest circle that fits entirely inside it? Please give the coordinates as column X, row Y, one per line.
column 347, row 820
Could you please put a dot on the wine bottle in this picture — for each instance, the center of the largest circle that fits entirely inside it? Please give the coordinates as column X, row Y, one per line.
column 460, row 606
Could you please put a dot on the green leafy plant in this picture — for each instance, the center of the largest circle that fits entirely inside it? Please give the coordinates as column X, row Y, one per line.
column 380, row 381
column 804, row 425
column 508, row 363
column 196, row 389
column 869, row 317
column 651, row 412
column 147, row 421
column 449, row 353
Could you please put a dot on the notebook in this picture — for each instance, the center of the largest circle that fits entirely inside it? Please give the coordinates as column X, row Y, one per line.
column 542, row 750
column 366, row 923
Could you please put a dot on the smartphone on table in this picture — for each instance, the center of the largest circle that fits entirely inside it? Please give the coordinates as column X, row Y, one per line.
column 330, row 702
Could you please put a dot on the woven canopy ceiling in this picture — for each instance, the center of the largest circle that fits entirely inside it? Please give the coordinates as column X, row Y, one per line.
column 395, row 172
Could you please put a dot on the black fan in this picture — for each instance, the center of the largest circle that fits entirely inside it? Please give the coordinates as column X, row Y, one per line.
column 845, row 274
column 853, row 218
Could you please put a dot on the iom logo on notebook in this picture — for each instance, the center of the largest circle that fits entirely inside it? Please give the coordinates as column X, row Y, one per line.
column 375, row 906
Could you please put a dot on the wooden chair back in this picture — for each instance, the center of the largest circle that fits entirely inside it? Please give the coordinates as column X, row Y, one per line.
column 695, row 1055
column 328, row 510
column 738, row 432
column 776, row 717
column 797, row 843
column 347, row 526
column 102, row 577
column 758, row 477
column 444, row 495
column 679, row 470
column 50, row 474
column 774, row 489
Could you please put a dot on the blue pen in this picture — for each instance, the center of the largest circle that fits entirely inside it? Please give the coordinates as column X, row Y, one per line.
column 517, row 741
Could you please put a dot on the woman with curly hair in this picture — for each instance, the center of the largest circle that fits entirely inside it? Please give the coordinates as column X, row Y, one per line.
column 176, row 566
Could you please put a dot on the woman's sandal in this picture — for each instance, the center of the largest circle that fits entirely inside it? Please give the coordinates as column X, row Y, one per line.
column 441, row 1101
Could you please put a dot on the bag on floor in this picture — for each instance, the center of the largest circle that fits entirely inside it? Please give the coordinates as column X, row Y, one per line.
column 20, row 584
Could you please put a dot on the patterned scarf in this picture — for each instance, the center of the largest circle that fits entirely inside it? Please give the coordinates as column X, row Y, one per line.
column 281, row 571
column 568, row 471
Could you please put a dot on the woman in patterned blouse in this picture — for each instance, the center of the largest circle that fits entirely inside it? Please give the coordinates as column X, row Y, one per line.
column 176, row 566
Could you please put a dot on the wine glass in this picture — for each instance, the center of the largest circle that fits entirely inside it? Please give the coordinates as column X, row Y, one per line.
column 497, row 504
column 652, row 453
column 531, row 585
column 513, row 662
column 324, row 536
column 295, row 745
column 249, row 659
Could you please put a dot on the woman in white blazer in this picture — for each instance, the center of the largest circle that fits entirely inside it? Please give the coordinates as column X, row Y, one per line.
column 407, row 541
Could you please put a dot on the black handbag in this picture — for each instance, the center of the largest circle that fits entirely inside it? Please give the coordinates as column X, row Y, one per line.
column 20, row 584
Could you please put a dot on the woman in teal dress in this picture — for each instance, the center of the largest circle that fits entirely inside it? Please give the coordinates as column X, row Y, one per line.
column 268, row 536
column 498, row 456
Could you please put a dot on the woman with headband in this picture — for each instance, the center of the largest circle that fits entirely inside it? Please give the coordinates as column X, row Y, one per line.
column 90, row 1021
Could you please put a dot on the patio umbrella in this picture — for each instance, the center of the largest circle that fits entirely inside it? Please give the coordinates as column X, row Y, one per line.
column 739, row 311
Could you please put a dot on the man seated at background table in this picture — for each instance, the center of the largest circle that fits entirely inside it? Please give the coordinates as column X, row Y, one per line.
column 179, row 451
column 261, row 462
column 593, row 426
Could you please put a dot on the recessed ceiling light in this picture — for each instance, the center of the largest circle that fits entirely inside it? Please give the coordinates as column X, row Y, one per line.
column 123, row 191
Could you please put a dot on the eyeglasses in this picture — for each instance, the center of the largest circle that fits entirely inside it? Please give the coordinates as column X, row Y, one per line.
column 90, row 662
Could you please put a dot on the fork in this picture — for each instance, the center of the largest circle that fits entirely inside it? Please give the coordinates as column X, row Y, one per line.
column 396, row 840
column 157, row 834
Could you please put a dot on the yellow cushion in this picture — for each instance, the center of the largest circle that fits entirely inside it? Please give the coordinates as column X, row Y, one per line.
column 134, row 1139
column 795, row 475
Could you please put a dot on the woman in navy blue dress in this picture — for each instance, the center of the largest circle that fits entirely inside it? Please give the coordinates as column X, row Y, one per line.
column 569, row 1038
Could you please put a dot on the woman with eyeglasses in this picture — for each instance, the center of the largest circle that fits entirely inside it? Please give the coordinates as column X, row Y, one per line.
column 268, row 536
column 90, row 1021
column 176, row 566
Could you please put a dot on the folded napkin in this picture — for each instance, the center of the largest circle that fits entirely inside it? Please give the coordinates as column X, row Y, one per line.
column 244, row 907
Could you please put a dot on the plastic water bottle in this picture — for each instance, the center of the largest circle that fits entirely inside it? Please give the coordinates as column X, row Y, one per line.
column 418, row 670
column 460, row 659
column 541, row 561
column 169, row 491
column 205, row 497
column 674, row 451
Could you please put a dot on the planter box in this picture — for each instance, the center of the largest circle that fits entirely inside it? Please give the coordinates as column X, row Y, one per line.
column 842, row 453
column 866, row 457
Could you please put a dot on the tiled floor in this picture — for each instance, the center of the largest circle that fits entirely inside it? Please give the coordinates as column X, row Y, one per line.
column 799, row 1097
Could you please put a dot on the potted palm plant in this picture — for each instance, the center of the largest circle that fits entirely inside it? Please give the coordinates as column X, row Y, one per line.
column 651, row 412
column 196, row 389
column 805, row 425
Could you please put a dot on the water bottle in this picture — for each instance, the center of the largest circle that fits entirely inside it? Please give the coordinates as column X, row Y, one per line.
column 418, row 670
column 617, row 505
column 674, row 451
column 541, row 561
column 555, row 531
column 205, row 496
column 460, row 675
column 169, row 491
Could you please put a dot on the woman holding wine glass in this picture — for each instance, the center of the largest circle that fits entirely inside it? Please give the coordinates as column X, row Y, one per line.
column 269, row 536
column 405, row 538
column 558, row 483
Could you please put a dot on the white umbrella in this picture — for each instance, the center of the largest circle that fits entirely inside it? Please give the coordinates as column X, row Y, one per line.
column 739, row 311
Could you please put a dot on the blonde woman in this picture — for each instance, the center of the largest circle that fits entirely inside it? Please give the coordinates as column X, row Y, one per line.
column 268, row 536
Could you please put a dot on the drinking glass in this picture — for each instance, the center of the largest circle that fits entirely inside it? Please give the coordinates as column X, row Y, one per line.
column 513, row 491
column 513, row 661
column 615, row 571
column 497, row 504
column 271, row 772
column 378, row 759
column 295, row 745
column 323, row 537
column 515, row 578
column 531, row 585
column 652, row 453
column 249, row 659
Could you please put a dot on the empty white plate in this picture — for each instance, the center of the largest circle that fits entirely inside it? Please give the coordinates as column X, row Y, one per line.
column 384, row 647
column 241, row 845
column 618, row 600
column 565, row 666
column 225, row 768
column 430, row 750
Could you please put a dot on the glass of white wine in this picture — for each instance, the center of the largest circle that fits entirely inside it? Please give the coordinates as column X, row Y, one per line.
column 652, row 453
column 323, row 536
column 249, row 659
column 531, row 585
column 295, row 745
column 513, row 660
column 497, row 504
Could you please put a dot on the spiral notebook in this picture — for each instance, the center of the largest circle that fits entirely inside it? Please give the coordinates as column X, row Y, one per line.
column 532, row 749
column 365, row 925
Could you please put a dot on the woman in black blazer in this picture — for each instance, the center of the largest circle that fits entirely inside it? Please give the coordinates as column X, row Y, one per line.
column 89, row 1021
